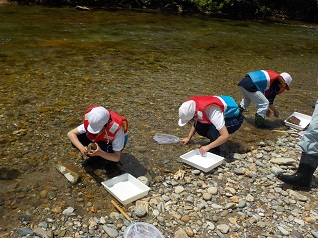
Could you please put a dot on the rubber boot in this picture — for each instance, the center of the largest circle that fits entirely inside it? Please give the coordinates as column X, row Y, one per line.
column 260, row 122
column 303, row 177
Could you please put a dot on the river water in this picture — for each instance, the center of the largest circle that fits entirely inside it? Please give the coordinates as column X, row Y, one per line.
column 56, row 62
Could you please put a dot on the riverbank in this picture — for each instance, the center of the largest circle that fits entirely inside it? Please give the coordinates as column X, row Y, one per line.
column 240, row 198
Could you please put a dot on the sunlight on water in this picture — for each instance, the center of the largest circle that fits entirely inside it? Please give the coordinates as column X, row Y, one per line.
column 55, row 62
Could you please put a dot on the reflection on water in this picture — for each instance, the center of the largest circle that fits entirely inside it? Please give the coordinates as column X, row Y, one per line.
column 55, row 62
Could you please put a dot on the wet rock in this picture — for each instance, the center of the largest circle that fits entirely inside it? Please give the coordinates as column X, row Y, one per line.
column 70, row 172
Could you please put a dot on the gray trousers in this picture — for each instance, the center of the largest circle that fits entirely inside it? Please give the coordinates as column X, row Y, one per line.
column 256, row 97
column 309, row 141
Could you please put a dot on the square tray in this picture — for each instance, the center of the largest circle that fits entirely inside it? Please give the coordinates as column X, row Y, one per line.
column 126, row 188
column 304, row 121
column 205, row 163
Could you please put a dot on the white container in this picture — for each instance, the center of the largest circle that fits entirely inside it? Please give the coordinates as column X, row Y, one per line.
column 142, row 230
column 205, row 163
column 126, row 188
column 304, row 121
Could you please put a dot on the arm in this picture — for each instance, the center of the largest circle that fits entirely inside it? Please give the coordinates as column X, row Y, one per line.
column 273, row 91
column 191, row 133
column 115, row 156
column 72, row 136
column 224, row 136
column 273, row 108
column 117, row 145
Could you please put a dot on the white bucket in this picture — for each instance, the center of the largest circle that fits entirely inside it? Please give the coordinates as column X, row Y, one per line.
column 142, row 230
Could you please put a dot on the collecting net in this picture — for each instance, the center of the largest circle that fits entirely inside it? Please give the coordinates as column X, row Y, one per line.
column 166, row 138
column 142, row 230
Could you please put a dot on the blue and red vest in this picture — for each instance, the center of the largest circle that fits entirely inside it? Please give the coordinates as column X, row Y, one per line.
column 263, row 79
column 111, row 129
column 226, row 103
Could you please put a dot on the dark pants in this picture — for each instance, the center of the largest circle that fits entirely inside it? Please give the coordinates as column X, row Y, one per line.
column 97, row 160
column 209, row 131
column 107, row 147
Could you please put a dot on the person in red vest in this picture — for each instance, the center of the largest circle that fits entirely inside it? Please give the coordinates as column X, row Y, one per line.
column 261, row 88
column 107, row 129
column 214, row 117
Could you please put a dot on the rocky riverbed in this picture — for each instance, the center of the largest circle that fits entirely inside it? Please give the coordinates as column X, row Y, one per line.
column 240, row 198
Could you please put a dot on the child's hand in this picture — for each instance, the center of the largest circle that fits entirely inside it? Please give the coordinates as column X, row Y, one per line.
column 185, row 140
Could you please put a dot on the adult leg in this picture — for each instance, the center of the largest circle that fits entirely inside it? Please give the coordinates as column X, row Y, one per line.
column 303, row 177
column 309, row 159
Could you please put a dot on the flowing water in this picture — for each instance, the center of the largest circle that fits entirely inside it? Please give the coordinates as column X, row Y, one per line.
column 56, row 62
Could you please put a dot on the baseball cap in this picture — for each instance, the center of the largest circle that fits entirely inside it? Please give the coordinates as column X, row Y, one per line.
column 287, row 79
column 186, row 112
column 97, row 118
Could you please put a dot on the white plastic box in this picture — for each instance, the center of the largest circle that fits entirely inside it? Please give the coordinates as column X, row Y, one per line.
column 304, row 121
column 205, row 163
column 126, row 188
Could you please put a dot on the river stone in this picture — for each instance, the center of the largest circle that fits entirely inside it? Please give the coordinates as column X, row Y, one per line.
column 25, row 231
column 213, row 190
column 283, row 230
column 179, row 189
column 296, row 234
column 140, row 211
column 224, row 228
column 43, row 233
column 281, row 161
column 207, row 196
column 110, row 231
column 68, row 211
column 69, row 172
column 189, row 231
column 298, row 196
column 180, row 233
column 144, row 180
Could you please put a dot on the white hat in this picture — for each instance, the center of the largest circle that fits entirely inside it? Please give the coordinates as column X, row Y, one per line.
column 287, row 79
column 97, row 118
column 186, row 112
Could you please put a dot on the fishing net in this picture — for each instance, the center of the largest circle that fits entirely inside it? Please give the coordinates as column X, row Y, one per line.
column 166, row 138
column 142, row 230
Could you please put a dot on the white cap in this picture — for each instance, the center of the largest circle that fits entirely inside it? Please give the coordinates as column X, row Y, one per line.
column 97, row 118
column 287, row 79
column 186, row 112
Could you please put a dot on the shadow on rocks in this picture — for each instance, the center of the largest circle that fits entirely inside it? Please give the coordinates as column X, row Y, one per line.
column 9, row 174
column 127, row 164
column 272, row 124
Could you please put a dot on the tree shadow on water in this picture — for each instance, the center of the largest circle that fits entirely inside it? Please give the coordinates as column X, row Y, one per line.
column 9, row 174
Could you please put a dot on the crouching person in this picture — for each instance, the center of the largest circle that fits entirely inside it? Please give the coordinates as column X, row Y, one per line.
column 107, row 130
column 214, row 117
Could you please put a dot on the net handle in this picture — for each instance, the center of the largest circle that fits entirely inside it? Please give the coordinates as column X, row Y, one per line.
column 121, row 210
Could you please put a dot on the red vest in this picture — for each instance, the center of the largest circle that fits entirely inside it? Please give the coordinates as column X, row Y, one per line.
column 273, row 76
column 112, row 127
column 202, row 102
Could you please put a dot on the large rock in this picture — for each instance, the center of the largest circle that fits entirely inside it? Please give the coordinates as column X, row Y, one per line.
column 70, row 173
column 282, row 161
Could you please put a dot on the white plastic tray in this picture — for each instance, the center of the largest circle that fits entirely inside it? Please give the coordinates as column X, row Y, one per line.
column 304, row 121
column 205, row 163
column 126, row 188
